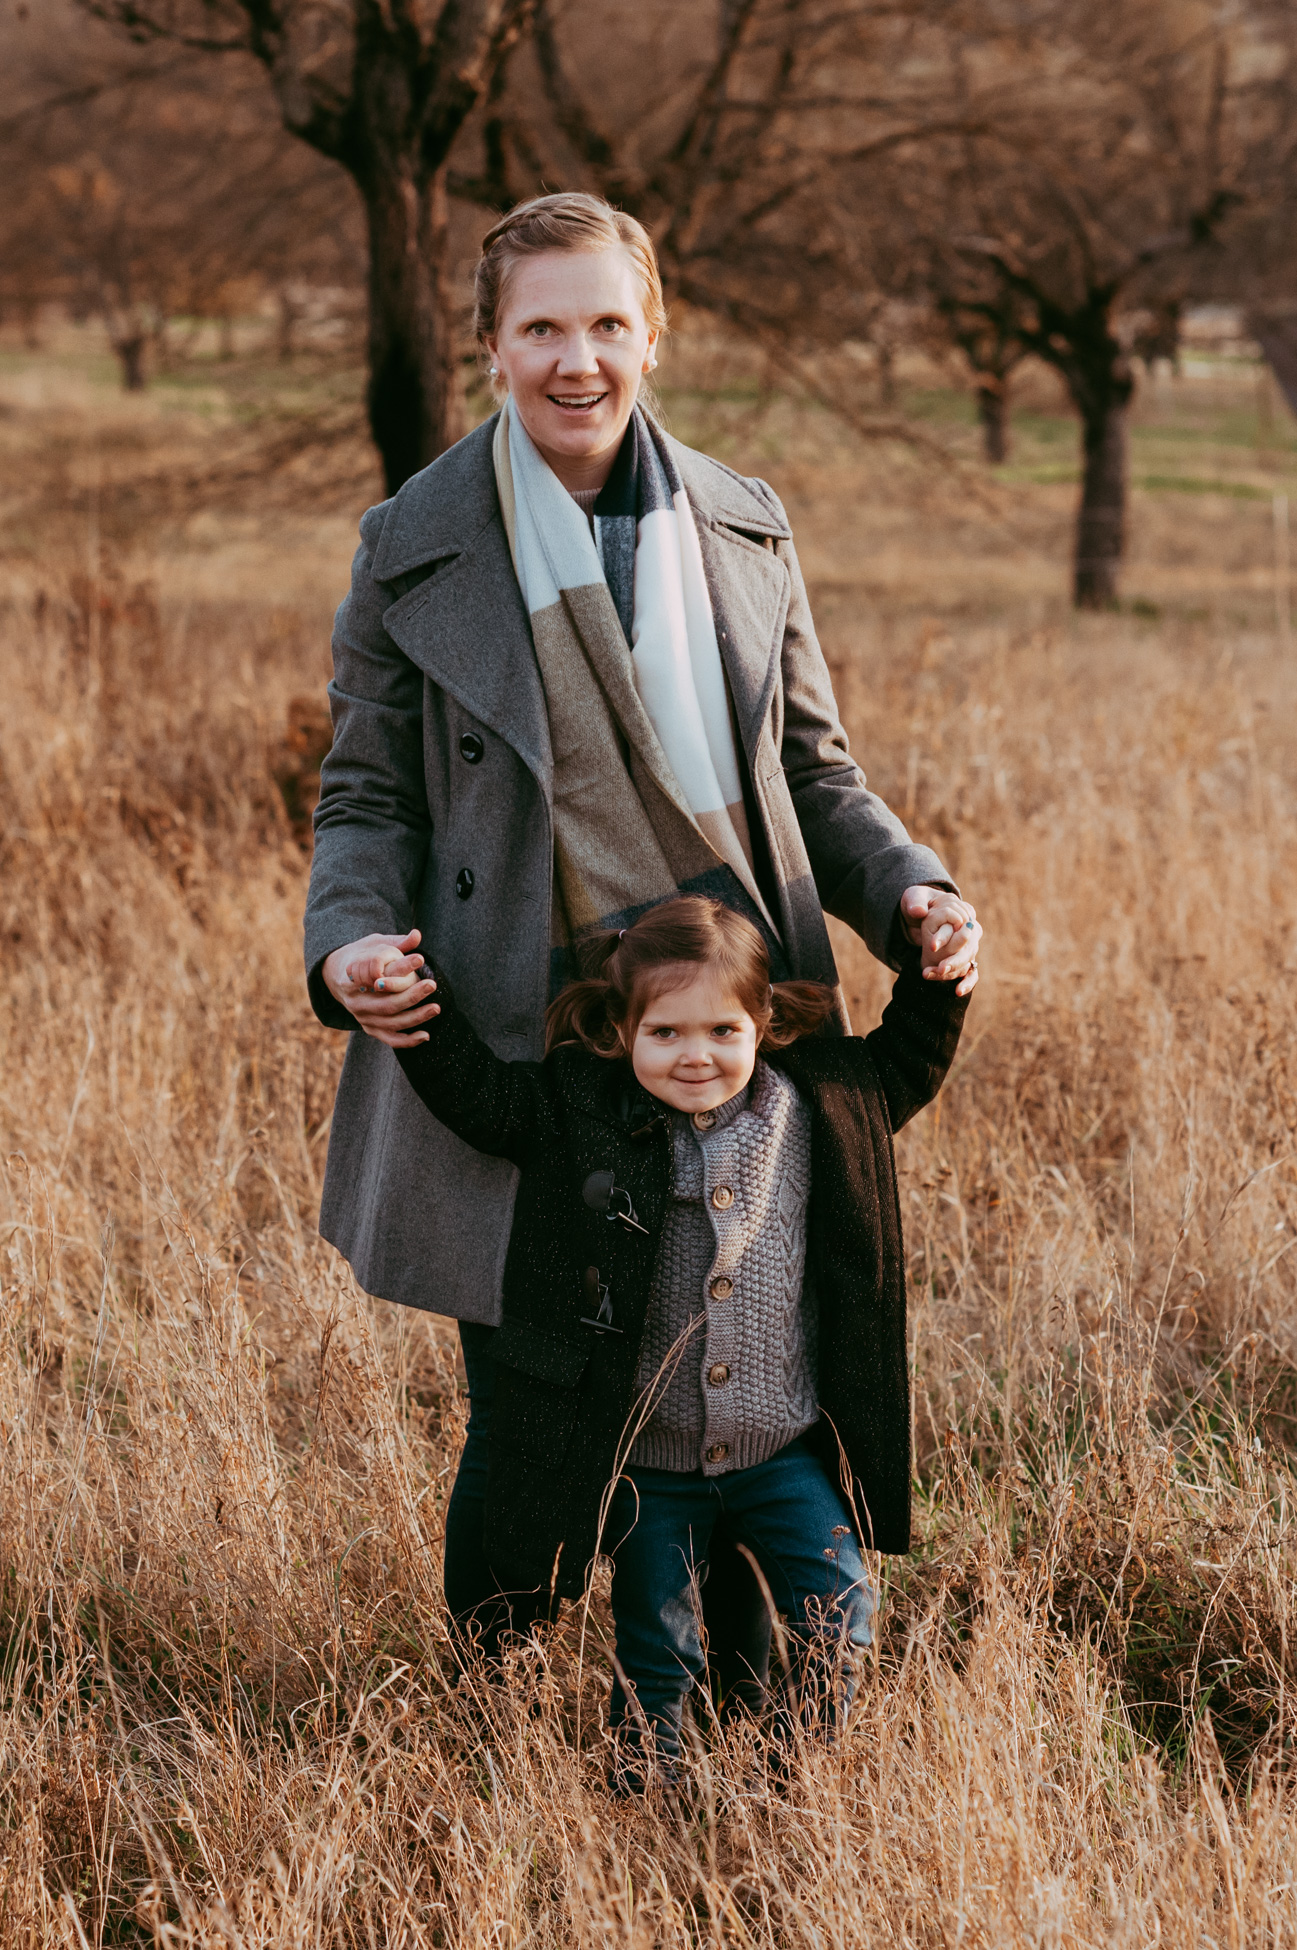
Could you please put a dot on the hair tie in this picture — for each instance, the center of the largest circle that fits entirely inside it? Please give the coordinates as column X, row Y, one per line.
column 621, row 934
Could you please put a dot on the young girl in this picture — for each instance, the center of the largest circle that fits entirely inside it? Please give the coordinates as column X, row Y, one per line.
column 704, row 1295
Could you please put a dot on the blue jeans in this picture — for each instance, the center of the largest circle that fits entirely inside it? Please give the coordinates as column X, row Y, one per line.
column 794, row 1521
column 738, row 1630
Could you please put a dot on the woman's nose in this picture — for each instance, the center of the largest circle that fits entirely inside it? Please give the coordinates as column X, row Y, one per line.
column 578, row 356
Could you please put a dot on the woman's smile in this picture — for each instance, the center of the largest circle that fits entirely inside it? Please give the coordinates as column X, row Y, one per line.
column 572, row 346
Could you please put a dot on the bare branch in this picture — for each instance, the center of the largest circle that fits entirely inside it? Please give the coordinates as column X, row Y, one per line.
column 471, row 37
column 141, row 22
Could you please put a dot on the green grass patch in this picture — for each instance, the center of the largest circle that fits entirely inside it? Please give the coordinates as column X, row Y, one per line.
column 1196, row 484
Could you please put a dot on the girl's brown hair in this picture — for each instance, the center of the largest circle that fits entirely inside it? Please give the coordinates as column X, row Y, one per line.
column 570, row 220
column 629, row 970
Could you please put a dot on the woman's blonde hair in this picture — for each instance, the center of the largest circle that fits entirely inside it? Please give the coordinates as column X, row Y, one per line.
column 569, row 220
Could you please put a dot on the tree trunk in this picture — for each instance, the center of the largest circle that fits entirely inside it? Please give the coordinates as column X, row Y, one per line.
column 886, row 360
column 993, row 418
column 415, row 408
column 287, row 322
column 130, row 351
column 1276, row 333
column 1101, row 518
column 225, row 336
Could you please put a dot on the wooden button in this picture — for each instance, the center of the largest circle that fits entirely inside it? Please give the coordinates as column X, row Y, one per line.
column 704, row 1119
column 721, row 1289
column 718, row 1452
column 719, row 1375
column 722, row 1197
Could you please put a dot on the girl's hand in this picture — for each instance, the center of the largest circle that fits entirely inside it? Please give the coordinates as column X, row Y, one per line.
column 948, row 932
column 374, row 978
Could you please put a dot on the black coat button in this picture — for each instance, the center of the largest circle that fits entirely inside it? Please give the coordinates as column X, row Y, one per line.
column 471, row 747
column 464, row 882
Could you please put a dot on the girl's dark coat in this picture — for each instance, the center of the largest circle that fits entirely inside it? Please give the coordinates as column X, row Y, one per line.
column 564, row 1390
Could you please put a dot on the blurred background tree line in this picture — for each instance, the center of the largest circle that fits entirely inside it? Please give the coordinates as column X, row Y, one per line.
column 834, row 180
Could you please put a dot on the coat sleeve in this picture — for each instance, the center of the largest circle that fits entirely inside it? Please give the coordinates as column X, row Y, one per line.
column 914, row 1045
column 860, row 853
column 507, row 1110
column 372, row 827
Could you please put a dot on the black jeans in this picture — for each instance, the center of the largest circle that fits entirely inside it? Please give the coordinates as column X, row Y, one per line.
column 734, row 1611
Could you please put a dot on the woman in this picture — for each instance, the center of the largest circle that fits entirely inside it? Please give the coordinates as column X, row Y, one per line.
column 576, row 674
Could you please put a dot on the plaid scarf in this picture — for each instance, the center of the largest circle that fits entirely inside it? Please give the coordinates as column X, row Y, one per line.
column 648, row 796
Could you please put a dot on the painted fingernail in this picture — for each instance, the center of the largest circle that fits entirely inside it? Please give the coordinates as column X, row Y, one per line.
column 380, row 985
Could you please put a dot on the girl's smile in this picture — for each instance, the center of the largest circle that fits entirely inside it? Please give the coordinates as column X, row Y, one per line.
column 695, row 1046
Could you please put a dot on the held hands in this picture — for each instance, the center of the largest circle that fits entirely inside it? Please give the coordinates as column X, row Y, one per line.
column 949, row 933
column 374, row 979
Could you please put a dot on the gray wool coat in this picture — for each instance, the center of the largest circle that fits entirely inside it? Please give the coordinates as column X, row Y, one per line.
column 435, row 812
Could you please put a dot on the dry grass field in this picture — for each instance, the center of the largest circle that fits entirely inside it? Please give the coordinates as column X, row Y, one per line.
column 226, row 1717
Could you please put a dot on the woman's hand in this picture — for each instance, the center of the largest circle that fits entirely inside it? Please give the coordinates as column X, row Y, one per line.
column 374, row 978
column 949, row 933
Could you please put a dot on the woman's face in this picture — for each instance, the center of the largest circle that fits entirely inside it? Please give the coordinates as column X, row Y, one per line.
column 572, row 346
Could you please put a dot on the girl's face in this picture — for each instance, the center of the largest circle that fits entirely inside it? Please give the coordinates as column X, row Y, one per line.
column 696, row 1046
column 572, row 347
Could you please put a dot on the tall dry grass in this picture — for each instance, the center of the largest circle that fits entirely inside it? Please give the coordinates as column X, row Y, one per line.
column 227, row 1718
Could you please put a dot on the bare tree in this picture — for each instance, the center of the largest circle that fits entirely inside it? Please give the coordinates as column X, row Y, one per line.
column 146, row 183
column 1109, row 144
column 712, row 124
column 1274, row 327
column 382, row 87
column 992, row 344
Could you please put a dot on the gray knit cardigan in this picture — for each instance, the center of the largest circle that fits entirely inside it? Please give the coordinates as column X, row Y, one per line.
column 727, row 1363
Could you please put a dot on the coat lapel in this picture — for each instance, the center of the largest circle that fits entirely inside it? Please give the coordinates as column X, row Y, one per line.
column 461, row 617
column 749, row 585
column 462, row 620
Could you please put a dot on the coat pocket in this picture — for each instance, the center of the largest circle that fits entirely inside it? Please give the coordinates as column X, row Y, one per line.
column 536, row 1400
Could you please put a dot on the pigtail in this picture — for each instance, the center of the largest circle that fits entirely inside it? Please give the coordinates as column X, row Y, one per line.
column 796, row 1009
column 593, row 952
column 583, row 1013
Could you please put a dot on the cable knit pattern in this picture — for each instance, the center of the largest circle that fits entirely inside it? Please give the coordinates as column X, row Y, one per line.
column 744, row 1384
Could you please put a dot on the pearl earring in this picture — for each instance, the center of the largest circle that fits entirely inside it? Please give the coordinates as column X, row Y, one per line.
column 495, row 372
column 652, row 365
